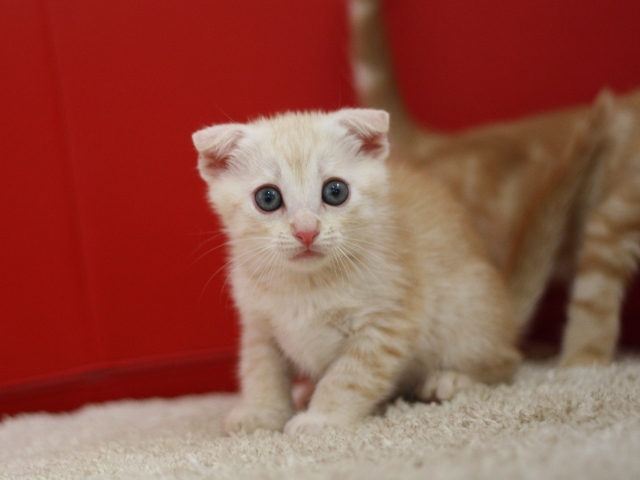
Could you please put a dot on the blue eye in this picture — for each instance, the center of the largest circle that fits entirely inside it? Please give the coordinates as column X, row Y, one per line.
column 335, row 192
column 268, row 199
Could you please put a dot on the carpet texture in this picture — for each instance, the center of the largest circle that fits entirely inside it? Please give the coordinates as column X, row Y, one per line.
column 549, row 424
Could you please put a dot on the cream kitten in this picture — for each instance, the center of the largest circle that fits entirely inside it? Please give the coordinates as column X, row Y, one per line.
column 364, row 275
column 496, row 170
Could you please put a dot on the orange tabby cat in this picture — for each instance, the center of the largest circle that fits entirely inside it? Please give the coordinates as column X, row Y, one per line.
column 362, row 273
column 496, row 170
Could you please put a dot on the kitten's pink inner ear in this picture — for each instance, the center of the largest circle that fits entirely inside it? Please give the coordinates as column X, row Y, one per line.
column 370, row 126
column 215, row 145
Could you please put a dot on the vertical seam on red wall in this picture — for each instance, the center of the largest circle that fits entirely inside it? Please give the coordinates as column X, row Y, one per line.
column 65, row 130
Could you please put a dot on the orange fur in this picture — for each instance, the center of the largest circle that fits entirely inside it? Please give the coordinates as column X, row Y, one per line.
column 398, row 298
column 395, row 294
column 497, row 172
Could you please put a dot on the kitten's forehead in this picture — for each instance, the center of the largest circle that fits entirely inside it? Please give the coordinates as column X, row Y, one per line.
column 298, row 150
column 297, row 143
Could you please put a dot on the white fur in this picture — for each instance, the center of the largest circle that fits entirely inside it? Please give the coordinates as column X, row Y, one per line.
column 385, row 300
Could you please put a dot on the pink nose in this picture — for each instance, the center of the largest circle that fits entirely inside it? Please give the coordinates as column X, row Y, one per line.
column 306, row 236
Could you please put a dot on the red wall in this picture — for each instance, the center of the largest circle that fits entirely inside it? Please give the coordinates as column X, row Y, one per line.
column 107, row 246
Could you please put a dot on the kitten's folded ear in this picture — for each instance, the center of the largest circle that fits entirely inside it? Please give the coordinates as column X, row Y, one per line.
column 369, row 126
column 215, row 145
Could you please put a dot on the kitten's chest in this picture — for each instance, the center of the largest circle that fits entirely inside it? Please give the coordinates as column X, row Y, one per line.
column 310, row 334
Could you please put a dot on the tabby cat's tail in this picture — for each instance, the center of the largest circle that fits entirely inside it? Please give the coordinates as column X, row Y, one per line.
column 374, row 79
column 562, row 202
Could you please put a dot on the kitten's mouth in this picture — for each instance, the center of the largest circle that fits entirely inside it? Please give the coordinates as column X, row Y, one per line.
column 307, row 255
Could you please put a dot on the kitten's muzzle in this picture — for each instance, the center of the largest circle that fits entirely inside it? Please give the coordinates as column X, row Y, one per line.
column 308, row 255
column 306, row 236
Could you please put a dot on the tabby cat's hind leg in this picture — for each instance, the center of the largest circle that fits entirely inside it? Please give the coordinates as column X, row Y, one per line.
column 605, row 264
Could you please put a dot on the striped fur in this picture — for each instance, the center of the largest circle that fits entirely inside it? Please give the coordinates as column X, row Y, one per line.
column 497, row 172
column 400, row 297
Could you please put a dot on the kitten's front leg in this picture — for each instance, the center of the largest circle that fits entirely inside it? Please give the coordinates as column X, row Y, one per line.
column 265, row 378
column 364, row 375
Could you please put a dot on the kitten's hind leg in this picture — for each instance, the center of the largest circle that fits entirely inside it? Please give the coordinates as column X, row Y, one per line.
column 606, row 262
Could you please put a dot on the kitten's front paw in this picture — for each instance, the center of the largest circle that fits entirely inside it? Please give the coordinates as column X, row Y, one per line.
column 309, row 423
column 247, row 419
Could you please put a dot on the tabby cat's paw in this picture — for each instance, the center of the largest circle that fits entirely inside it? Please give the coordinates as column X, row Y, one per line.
column 584, row 358
column 309, row 423
column 247, row 419
column 445, row 384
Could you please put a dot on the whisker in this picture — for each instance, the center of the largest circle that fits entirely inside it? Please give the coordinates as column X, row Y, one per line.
column 378, row 226
column 252, row 254
column 266, row 265
column 217, row 235
column 335, row 266
column 226, row 243
column 360, row 248
column 344, row 265
column 207, row 252
column 263, row 261
column 279, row 264
column 213, row 235
column 348, row 258
column 256, row 253
column 359, row 240
column 355, row 258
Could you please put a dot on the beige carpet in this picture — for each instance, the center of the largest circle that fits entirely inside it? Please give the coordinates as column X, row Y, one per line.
column 582, row 423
